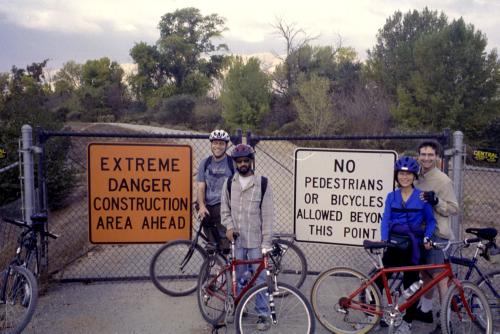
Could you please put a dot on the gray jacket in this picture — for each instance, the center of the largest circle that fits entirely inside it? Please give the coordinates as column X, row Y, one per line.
column 244, row 214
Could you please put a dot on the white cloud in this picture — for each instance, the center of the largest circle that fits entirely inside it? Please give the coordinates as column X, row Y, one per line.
column 356, row 21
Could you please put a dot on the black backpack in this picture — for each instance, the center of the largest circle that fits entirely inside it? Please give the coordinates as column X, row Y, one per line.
column 263, row 188
column 229, row 163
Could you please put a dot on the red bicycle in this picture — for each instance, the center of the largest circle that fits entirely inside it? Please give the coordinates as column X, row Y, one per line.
column 272, row 306
column 346, row 301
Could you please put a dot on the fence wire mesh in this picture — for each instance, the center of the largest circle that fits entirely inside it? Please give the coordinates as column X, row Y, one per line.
column 73, row 257
column 480, row 208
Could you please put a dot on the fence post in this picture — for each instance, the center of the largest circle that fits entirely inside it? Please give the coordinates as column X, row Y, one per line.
column 458, row 145
column 28, row 171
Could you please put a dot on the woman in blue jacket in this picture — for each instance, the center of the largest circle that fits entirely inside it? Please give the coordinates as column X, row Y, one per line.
column 407, row 216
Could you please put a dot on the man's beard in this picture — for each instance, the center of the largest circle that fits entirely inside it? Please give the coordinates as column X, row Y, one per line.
column 243, row 170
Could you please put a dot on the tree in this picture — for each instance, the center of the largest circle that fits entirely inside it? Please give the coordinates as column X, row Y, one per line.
column 184, row 59
column 295, row 39
column 454, row 84
column 245, row 94
column 314, row 106
column 24, row 100
column 68, row 78
column 363, row 110
column 437, row 73
column 391, row 61
column 102, row 93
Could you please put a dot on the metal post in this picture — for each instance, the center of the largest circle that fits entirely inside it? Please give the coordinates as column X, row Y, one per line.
column 458, row 146
column 41, row 184
column 29, row 172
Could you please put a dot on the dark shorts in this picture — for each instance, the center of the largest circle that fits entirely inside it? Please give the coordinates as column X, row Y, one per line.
column 435, row 256
column 213, row 228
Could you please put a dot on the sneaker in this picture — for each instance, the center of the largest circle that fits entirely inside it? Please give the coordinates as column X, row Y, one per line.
column 263, row 324
column 404, row 328
column 424, row 316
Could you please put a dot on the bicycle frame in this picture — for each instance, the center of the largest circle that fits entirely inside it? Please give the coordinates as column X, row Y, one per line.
column 231, row 267
column 472, row 265
column 348, row 302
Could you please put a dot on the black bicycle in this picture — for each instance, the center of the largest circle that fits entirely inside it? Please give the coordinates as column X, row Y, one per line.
column 176, row 265
column 18, row 282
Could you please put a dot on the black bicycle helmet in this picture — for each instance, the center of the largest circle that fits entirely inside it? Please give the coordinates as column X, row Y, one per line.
column 407, row 164
column 243, row 150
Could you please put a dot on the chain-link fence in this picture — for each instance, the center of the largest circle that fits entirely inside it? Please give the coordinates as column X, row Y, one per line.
column 480, row 207
column 73, row 257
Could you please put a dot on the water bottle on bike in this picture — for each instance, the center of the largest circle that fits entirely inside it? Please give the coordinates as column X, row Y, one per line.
column 412, row 289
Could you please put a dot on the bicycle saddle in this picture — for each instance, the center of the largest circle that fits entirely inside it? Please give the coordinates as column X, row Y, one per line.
column 488, row 233
column 368, row 244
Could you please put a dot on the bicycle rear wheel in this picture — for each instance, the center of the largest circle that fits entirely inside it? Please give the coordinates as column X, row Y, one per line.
column 293, row 264
column 175, row 267
column 491, row 290
column 19, row 299
column 454, row 316
column 293, row 313
column 330, row 287
column 214, row 290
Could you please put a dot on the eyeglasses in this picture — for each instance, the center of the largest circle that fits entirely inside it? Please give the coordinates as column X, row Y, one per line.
column 239, row 161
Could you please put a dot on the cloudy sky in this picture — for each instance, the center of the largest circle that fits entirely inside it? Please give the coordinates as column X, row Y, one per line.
column 62, row 30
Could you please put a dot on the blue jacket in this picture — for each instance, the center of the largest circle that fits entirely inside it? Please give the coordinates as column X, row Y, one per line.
column 415, row 213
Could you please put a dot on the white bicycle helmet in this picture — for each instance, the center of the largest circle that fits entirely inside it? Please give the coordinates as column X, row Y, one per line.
column 219, row 135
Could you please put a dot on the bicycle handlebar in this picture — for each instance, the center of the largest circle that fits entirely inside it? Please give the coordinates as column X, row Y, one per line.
column 24, row 224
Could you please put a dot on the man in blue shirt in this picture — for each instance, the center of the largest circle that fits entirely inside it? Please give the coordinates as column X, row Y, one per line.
column 212, row 172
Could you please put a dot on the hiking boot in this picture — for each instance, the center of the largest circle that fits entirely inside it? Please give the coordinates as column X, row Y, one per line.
column 404, row 328
column 424, row 316
column 264, row 323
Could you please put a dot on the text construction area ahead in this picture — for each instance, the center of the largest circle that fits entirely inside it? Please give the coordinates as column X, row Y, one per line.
column 340, row 194
column 139, row 193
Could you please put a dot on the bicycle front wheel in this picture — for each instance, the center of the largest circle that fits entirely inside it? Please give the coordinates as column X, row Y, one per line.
column 337, row 283
column 454, row 316
column 175, row 266
column 18, row 299
column 490, row 285
column 214, row 290
column 293, row 264
column 291, row 313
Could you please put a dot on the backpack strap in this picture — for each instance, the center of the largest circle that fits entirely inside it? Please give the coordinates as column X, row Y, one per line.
column 229, row 183
column 230, row 164
column 207, row 163
column 229, row 161
column 263, row 188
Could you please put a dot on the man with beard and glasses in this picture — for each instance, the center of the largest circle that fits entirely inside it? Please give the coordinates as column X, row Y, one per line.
column 212, row 172
column 247, row 208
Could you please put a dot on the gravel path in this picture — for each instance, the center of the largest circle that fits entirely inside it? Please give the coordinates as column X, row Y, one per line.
column 127, row 308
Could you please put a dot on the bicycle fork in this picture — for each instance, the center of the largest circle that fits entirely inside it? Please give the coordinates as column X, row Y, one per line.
column 272, row 289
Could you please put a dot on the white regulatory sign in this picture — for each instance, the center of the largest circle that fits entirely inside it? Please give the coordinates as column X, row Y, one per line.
column 340, row 194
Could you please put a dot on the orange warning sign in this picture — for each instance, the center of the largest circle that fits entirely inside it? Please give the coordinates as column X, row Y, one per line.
column 139, row 193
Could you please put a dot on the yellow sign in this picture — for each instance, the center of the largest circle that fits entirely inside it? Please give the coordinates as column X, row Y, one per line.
column 139, row 193
column 3, row 153
column 485, row 155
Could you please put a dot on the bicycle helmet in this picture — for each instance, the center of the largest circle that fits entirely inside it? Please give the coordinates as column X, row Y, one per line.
column 241, row 151
column 407, row 164
column 219, row 135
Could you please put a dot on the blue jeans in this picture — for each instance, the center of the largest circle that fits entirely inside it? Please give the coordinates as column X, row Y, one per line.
column 251, row 254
